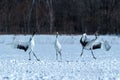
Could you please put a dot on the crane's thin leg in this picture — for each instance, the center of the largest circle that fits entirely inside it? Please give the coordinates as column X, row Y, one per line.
column 82, row 51
column 60, row 55
column 56, row 55
column 80, row 54
column 29, row 55
column 35, row 56
column 93, row 54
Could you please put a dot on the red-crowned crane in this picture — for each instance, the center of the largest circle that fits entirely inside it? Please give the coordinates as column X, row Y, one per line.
column 58, row 47
column 29, row 45
column 93, row 44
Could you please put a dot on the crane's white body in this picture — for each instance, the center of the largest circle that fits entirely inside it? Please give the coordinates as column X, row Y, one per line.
column 57, row 45
column 31, row 44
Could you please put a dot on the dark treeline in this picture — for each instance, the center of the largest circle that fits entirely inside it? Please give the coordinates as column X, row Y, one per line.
column 64, row 16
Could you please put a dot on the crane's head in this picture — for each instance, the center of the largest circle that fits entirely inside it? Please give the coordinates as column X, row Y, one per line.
column 57, row 34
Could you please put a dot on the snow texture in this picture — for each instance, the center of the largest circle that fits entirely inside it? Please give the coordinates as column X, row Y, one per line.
column 14, row 63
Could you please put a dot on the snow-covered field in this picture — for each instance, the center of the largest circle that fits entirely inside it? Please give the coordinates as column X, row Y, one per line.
column 14, row 63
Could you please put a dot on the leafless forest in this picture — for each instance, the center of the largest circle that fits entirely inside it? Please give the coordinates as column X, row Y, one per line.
column 64, row 16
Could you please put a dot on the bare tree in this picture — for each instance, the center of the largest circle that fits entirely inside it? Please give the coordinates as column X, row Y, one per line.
column 51, row 15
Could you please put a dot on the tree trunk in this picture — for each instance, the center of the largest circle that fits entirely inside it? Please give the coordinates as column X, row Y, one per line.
column 51, row 16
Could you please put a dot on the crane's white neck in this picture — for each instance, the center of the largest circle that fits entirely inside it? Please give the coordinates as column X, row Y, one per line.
column 31, row 43
column 84, row 37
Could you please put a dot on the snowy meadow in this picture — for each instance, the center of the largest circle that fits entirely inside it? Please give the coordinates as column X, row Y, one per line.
column 14, row 63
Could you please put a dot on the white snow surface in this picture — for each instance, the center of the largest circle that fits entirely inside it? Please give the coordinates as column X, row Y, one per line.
column 14, row 63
